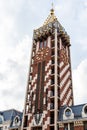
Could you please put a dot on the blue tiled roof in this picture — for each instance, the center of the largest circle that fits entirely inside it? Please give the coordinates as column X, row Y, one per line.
column 77, row 110
column 10, row 114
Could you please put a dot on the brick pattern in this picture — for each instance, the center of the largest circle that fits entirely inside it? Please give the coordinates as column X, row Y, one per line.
column 46, row 112
column 65, row 80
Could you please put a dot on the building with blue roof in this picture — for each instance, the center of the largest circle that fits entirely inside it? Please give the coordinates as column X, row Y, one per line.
column 10, row 120
column 73, row 117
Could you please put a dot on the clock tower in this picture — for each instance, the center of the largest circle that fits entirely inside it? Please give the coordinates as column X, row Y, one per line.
column 49, row 81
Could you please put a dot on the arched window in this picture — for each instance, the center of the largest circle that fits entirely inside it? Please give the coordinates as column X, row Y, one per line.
column 45, row 43
column 85, row 109
column 68, row 112
column 41, row 44
column 16, row 121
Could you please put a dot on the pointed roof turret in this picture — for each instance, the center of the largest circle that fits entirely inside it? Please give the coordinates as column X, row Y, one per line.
column 51, row 17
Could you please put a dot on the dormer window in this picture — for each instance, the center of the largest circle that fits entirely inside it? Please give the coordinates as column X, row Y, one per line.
column 16, row 121
column 68, row 112
column 85, row 109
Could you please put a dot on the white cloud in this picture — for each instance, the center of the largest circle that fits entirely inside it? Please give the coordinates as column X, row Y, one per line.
column 13, row 73
column 80, row 83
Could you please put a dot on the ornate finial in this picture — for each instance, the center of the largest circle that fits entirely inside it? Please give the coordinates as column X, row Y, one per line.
column 52, row 10
column 51, row 17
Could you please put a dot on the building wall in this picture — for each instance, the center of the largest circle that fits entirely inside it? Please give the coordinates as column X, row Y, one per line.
column 77, row 125
column 5, row 125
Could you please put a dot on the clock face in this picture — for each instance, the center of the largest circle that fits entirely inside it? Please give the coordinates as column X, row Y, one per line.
column 63, row 56
column 42, row 54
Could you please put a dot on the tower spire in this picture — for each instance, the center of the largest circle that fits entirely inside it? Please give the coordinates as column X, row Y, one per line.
column 51, row 17
column 52, row 10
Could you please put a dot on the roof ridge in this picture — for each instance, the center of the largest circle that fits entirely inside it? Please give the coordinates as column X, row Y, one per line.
column 11, row 110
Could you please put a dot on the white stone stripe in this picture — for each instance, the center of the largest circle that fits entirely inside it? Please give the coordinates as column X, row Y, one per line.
column 61, row 64
column 64, row 70
column 64, row 79
column 49, row 41
column 47, row 66
column 47, row 122
column 37, row 46
column 47, row 85
column 34, row 88
column 34, row 98
column 47, row 75
column 33, row 80
column 65, row 89
column 44, row 100
column 44, row 113
column 48, row 107
column 70, row 103
column 49, row 93
column 67, row 97
column 33, row 108
column 29, row 116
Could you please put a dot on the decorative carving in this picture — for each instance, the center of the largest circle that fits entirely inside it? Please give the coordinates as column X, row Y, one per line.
column 63, row 56
column 61, row 125
column 78, row 123
column 51, row 17
column 38, row 119
column 41, row 54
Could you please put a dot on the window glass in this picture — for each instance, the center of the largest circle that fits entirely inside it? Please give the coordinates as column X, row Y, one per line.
column 85, row 125
column 71, row 126
column 68, row 112
column 45, row 43
column 41, row 44
column 65, row 126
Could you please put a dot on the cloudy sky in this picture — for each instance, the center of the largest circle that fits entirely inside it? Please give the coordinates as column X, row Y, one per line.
column 18, row 18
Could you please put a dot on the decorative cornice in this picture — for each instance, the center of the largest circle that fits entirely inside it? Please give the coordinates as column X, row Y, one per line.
column 78, row 123
column 61, row 125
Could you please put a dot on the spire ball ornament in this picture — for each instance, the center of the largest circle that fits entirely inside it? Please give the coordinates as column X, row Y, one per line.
column 52, row 10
